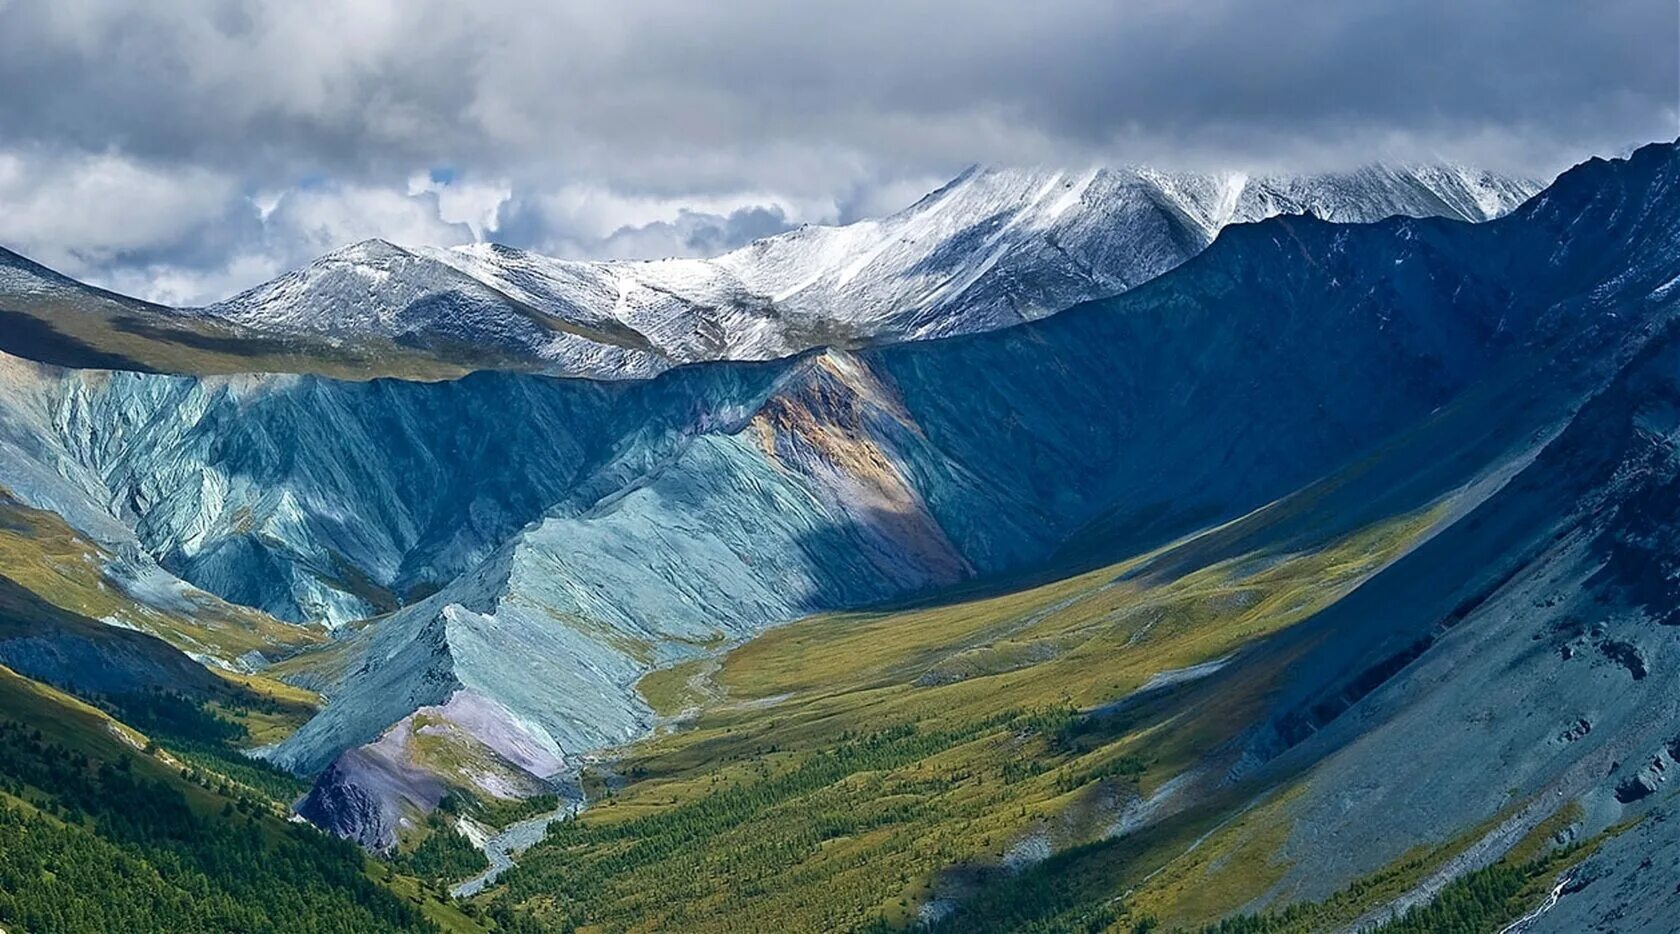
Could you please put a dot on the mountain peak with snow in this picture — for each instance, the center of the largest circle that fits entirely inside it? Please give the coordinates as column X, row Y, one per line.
column 995, row 246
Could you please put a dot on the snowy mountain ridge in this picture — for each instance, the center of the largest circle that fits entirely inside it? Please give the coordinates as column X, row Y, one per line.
column 994, row 247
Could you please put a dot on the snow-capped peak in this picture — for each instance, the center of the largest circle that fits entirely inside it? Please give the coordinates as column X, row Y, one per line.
column 993, row 247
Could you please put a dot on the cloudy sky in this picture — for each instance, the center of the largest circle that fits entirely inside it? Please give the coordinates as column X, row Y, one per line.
column 184, row 149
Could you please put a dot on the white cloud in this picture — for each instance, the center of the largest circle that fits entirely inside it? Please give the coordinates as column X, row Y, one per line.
column 892, row 196
column 319, row 218
column 295, row 227
column 192, row 238
column 184, row 287
column 186, row 235
column 579, row 215
column 476, row 204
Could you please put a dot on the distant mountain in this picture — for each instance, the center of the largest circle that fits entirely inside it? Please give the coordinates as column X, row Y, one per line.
column 1287, row 352
column 50, row 318
column 992, row 248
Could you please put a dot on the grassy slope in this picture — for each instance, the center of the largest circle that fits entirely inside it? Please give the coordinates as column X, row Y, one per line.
column 1483, row 899
column 47, row 557
column 224, row 810
column 52, row 587
column 849, row 769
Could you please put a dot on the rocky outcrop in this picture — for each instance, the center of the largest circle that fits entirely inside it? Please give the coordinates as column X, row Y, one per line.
column 362, row 797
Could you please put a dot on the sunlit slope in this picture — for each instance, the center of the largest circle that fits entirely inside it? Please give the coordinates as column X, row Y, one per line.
column 1284, row 351
column 44, row 555
column 530, row 547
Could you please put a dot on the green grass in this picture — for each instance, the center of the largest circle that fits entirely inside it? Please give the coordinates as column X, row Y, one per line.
column 684, row 686
column 268, row 709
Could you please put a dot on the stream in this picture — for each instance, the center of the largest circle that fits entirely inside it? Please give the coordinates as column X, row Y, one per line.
column 1522, row 923
column 507, row 843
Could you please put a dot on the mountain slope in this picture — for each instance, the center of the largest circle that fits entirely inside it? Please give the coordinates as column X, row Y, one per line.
column 1445, row 655
column 976, row 466
column 376, row 289
column 101, row 829
column 890, row 764
column 51, row 318
column 1529, row 642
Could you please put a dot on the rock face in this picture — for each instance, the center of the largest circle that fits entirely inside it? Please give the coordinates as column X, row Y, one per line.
column 1451, row 692
column 993, row 248
column 531, row 545
column 1627, row 885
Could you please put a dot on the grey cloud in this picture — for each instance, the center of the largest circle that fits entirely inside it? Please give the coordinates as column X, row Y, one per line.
column 629, row 88
column 713, row 110
column 689, row 233
column 709, row 234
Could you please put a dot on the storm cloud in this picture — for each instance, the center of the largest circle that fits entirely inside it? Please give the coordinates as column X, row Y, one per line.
column 187, row 149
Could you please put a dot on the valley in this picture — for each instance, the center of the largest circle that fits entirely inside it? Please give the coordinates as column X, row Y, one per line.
column 891, row 761
column 1159, row 612
column 939, row 468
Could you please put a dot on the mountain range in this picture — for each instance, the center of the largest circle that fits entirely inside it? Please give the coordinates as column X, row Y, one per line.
column 992, row 248
column 1336, row 556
